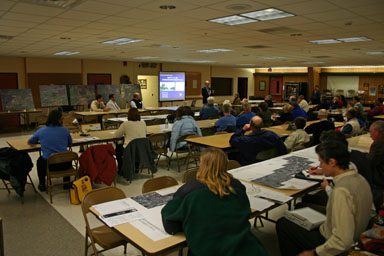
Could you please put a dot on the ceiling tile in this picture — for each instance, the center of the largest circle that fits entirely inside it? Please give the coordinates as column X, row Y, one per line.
column 35, row 9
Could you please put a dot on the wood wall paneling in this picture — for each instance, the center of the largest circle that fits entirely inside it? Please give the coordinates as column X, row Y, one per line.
column 257, row 92
column 8, row 81
column 37, row 79
column 192, row 78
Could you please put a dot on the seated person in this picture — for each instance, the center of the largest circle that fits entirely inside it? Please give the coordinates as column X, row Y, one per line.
column 323, row 104
column 53, row 138
column 132, row 129
column 112, row 104
column 317, row 128
column 209, row 111
column 352, row 126
column 286, row 115
column 378, row 109
column 298, row 111
column 316, row 94
column 303, row 103
column 212, row 211
column 227, row 120
column 265, row 114
column 98, row 105
column 268, row 100
column 245, row 116
column 184, row 124
column 292, row 99
column 298, row 137
column 348, row 209
column 258, row 140
column 136, row 102
column 236, row 100
column 336, row 103
column 356, row 101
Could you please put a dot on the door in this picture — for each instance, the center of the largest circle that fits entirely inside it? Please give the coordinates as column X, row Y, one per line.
column 150, row 94
column 242, row 87
column 93, row 79
column 275, row 88
column 8, row 81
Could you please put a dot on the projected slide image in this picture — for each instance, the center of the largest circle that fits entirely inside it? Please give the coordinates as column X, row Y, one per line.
column 172, row 86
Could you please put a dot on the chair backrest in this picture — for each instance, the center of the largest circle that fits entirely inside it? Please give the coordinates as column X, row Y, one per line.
column 233, row 164
column 159, row 140
column 208, row 131
column 267, row 154
column 231, row 129
column 183, row 137
column 158, row 183
column 62, row 157
column 193, row 148
column 222, row 132
column 190, row 175
column 99, row 196
column 193, row 103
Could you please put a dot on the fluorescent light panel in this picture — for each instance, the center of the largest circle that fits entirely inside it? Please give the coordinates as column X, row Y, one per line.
column 267, row 14
column 375, row 53
column 354, row 39
column 66, row 53
column 233, row 20
column 355, row 66
column 214, row 50
column 273, row 57
column 146, row 57
column 124, row 40
column 325, row 41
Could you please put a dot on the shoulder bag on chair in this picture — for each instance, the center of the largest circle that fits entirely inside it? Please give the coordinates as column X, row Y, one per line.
column 79, row 188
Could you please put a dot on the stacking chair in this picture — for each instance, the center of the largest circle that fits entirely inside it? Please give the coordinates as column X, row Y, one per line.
column 193, row 152
column 158, row 183
column 58, row 158
column 190, row 175
column 102, row 235
column 208, row 131
column 233, row 164
column 339, row 92
column 180, row 150
column 159, row 144
column 1, row 238
column 266, row 154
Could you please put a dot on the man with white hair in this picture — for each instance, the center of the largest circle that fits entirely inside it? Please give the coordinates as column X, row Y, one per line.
column 376, row 153
column 245, row 116
column 303, row 103
column 317, row 128
column 209, row 111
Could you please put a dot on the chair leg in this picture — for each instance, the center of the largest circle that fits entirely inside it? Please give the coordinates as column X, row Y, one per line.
column 6, row 186
column 178, row 164
column 33, row 185
column 86, row 243
column 125, row 248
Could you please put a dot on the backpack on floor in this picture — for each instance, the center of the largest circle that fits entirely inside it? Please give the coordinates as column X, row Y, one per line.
column 79, row 188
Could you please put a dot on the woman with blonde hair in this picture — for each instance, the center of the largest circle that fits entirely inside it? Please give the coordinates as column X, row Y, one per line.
column 212, row 211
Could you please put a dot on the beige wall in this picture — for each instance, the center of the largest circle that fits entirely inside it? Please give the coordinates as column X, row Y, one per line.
column 14, row 65
column 40, row 65
column 151, row 94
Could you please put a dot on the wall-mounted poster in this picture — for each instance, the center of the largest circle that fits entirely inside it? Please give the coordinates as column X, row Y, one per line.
column 53, row 95
column 262, row 86
column 16, row 99
column 81, row 94
column 372, row 90
column 143, row 83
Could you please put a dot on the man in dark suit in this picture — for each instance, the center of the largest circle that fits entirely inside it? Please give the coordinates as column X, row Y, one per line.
column 317, row 128
column 206, row 91
column 315, row 98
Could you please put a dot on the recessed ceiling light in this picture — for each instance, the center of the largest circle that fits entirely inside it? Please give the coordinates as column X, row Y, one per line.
column 296, row 34
column 355, row 66
column 190, row 61
column 65, row 38
column 245, row 65
column 66, row 53
column 354, row 39
column 375, row 53
column 145, row 57
column 325, row 41
column 313, row 62
column 233, row 20
column 214, row 50
column 124, row 40
column 267, row 14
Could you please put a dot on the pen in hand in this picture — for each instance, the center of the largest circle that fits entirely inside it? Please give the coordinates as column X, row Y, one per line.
column 315, row 170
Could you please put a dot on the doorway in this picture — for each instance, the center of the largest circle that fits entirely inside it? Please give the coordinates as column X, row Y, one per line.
column 242, row 87
column 150, row 92
column 275, row 88
column 8, row 81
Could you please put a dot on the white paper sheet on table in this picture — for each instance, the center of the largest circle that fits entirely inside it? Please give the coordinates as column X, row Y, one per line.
column 251, row 172
column 254, row 190
column 88, row 138
column 167, row 191
column 118, row 119
column 297, row 184
column 113, row 206
column 308, row 152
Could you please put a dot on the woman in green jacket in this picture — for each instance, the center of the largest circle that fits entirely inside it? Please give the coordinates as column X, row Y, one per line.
column 213, row 211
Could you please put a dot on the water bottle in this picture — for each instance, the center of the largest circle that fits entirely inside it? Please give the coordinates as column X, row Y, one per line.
column 166, row 123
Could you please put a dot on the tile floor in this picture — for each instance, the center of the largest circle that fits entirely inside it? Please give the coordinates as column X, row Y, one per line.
column 72, row 213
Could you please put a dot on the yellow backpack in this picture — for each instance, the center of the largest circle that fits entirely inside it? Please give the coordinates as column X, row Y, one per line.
column 79, row 188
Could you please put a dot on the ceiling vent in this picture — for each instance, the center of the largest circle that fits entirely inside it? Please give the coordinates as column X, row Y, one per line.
column 147, row 65
column 321, row 57
column 54, row 3
column 238, row 7
column 256, row 46
column 278, row 30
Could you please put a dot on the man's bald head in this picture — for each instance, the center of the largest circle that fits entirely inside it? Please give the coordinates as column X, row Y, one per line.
column 256, row 123
column 207, row 83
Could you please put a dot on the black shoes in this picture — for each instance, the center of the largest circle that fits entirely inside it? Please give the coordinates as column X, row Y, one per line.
column 42, row 188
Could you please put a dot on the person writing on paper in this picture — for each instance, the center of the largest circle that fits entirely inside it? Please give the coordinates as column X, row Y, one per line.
column 212, row 211
column 112, row 104
column 348, row 209
column 206, row 91
column 185, row 124
column 132, row 129
column 53, row 138
column 98, row 105
column 136, row 102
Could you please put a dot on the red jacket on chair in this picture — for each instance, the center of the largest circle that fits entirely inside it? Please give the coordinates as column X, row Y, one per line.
column 98, row 162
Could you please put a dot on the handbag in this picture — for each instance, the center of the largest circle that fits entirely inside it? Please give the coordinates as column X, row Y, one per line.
column 79, row 188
